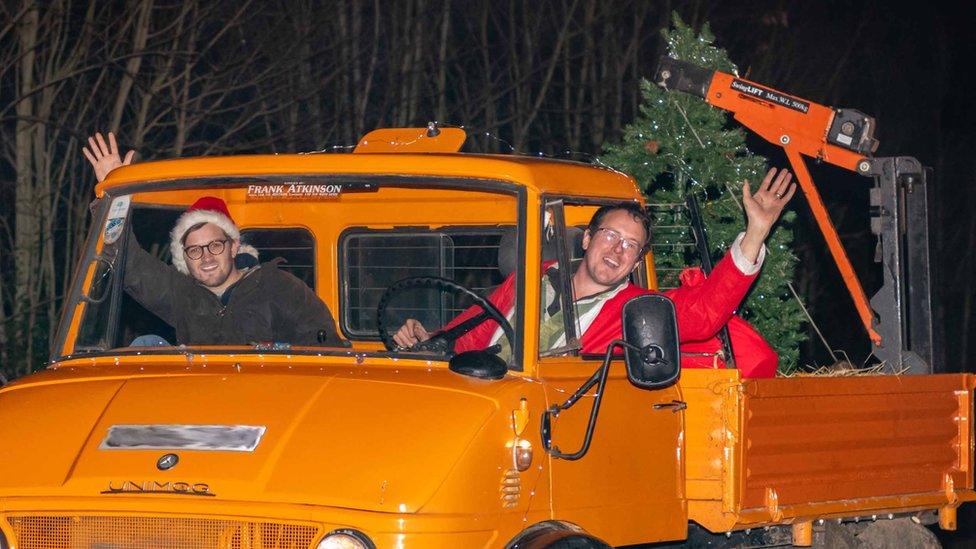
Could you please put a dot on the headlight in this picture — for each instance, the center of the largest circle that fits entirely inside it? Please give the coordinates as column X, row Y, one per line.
column 344, row 538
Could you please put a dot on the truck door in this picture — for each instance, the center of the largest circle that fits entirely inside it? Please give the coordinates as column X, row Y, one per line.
column 628, row 488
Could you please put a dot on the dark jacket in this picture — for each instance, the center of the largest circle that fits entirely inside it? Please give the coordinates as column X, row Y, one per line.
column 265, row 305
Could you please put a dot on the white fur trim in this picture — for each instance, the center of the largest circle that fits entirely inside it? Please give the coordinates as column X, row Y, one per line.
column 190, row 219
column 247, row 249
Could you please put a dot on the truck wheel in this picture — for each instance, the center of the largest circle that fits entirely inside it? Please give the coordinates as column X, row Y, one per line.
column 902, row 532
column 881, row 534
column 555, row 534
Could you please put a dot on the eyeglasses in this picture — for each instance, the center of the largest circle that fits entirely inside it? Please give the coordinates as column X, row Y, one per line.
column 612, row 238
column 215, row 247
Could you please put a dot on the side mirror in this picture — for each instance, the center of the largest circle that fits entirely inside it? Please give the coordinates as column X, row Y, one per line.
column 651, row 331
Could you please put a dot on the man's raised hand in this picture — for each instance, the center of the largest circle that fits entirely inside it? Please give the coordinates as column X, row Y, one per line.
column 763, row 208
column 104, row 157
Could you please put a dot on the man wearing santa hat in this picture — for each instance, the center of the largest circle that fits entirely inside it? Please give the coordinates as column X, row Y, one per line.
column 216, row 293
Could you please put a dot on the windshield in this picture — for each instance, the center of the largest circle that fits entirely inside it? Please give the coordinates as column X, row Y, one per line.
column 293, row 266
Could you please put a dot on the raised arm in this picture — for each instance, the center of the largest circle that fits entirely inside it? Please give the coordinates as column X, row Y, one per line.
column 104, row 156
column 704, row 308
column 763, row 209
column 153, row 283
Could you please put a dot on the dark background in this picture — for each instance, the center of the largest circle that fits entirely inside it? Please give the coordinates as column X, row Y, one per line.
column 551, row 77
column 190, row 78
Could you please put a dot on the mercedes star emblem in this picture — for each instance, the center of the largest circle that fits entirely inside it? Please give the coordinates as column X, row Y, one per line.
column 168, row 461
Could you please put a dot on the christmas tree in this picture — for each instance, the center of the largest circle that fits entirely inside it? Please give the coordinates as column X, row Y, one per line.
column 679, row 145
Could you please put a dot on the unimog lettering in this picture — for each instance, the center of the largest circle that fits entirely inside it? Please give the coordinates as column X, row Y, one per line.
column 158, row 487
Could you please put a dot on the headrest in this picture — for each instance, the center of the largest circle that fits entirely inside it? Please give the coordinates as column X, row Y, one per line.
column 507, row 252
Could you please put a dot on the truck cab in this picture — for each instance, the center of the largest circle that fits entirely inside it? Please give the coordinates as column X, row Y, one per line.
column 273, row 441
column 363, row 444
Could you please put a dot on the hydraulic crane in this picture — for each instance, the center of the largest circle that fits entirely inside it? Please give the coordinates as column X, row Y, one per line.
column 898, row 318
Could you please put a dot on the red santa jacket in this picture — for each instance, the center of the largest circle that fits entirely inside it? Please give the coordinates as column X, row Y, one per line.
column 701, row 310
column 753, row 356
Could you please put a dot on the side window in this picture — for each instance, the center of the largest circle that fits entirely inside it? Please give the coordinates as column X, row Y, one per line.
column 371, row 261
column 567, row 221
column 558, row 327
column 295, row 245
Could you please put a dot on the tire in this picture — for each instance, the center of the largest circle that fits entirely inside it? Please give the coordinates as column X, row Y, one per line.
column 902, row 532
column 881, row 534
column 555, row 534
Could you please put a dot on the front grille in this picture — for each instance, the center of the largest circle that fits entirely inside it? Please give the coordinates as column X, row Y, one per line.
column 128, row 532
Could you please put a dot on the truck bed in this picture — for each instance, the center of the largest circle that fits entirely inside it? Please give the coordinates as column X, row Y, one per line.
column 773, row 451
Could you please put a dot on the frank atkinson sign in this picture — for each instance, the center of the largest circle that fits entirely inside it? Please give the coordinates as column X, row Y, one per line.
column 770, row 96
column 293, row 191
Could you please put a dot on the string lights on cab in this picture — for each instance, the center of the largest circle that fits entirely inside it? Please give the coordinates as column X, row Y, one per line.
column 395, row 139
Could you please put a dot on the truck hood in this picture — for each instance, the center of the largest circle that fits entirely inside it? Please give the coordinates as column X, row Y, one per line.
column 335, row 436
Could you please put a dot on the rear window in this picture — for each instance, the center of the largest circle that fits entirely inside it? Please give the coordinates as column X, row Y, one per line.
column 372, row 260
column 295, row 246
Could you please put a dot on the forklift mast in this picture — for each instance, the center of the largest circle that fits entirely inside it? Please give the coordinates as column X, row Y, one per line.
column 898, row 319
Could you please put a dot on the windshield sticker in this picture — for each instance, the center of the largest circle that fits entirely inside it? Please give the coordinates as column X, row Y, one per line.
column 117, row 213
column 293, row 191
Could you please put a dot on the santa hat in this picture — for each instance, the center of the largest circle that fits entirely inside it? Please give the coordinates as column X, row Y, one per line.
column 208, row 209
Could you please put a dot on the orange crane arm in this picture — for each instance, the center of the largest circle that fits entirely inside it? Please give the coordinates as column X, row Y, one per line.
column 843, row 137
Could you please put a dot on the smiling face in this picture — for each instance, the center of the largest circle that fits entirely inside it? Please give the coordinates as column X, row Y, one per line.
column 608, row 261
column 216, row 272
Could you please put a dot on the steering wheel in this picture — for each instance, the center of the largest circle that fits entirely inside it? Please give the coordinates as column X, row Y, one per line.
column 440, row 341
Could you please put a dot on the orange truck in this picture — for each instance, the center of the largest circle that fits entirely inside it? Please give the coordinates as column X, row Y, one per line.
column 363, row 445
